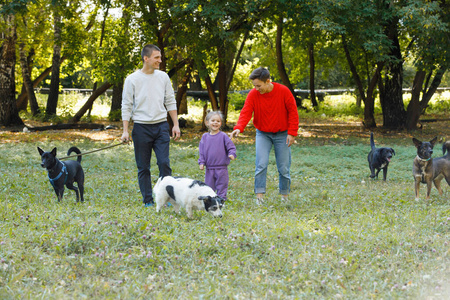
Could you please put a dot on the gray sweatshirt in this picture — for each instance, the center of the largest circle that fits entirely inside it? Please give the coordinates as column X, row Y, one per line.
column 147, row 98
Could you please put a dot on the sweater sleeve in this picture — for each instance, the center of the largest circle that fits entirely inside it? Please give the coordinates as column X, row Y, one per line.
column 292, row 110
column 127, row 99
column 201, row 150
column 246, row 112
column 229, row 146
column 169, row 95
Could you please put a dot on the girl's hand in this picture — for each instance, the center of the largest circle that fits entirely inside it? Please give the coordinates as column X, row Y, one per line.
column 231, row 157
column 201, row 167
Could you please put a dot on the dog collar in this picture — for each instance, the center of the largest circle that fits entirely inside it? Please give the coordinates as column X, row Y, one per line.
column 63, row 171
column 422, row 158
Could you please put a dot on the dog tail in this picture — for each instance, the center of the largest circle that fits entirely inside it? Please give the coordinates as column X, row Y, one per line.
column 446, row 148
column 77, row 151
column 372, row 143
column 158, row 183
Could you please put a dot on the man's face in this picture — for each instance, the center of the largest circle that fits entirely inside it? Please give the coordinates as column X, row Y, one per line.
column 154, row 60
column 262, row 86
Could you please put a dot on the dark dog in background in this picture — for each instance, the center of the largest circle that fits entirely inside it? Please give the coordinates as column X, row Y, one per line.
column 379, row 159
column 428, row 170
column 446, row 148
column 64, row 173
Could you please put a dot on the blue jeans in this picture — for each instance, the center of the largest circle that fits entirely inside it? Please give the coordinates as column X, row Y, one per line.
column 148, row 137
column 264, row 142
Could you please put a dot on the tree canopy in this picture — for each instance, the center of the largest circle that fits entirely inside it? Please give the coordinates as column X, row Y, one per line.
column 212, row 44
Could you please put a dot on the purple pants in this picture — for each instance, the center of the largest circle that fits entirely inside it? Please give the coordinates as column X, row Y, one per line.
column 217, row 179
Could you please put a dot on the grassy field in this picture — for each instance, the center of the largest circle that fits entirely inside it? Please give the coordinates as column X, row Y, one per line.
column 340, row 235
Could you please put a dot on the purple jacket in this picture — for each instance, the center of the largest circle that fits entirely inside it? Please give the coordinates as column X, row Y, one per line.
column 215, row 149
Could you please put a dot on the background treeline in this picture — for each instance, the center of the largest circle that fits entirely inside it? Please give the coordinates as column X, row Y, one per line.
column 376, row 47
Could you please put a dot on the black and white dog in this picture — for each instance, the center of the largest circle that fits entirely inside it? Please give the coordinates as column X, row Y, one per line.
column 379, row 159
column 187, row 193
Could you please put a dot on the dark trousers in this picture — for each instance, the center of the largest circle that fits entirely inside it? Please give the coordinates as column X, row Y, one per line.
column 148, row 137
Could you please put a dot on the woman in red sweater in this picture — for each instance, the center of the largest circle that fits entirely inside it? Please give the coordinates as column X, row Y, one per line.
column 275, row 117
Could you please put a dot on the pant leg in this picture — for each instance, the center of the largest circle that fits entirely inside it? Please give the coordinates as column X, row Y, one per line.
column 263, row 147
column 143, row 143
column 161, row 147
column 283, row 159
column 210, row 179
column 222, row 180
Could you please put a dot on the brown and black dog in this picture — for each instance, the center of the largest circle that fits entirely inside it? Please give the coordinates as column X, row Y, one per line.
column 428, row 170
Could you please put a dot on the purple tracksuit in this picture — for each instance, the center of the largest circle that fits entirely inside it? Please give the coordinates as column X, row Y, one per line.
column 214, row 151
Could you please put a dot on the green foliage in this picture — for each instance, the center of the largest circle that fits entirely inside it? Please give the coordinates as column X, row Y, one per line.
column 115, row 115
column 237, row 100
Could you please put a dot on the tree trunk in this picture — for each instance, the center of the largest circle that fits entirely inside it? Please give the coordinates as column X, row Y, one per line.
column 413, row 111
column 34, row 107
column 91, row 100
column 427, row 94
column 312, row 67
column 52, row 101
column 394, row 114
column 369, row 101
column 222, row 80
column 116, row 99
column 182, row 88
column 9, row 114
column 280, row 62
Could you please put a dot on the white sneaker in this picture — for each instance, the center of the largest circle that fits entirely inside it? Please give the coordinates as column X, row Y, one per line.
column 284, row 198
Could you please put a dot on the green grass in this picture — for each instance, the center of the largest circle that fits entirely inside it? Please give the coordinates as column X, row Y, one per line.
column 340, row 235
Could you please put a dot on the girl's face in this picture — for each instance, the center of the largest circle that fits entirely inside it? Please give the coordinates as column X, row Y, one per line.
column 214, row 124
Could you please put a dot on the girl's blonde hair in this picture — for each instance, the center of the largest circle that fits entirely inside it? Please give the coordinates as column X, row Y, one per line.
column 210, row 114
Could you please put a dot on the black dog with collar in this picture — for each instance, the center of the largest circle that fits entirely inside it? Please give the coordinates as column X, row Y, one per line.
column 379, row 159
column 64, row 173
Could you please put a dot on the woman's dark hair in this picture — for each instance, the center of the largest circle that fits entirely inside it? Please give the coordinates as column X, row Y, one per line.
column 260, row 73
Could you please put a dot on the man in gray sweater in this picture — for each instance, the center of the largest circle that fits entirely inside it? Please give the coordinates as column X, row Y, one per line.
column 147, row 97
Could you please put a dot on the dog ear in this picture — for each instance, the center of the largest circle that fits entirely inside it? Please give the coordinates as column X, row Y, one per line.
column 393, row 151
column 203, row 198
column 433, row 141
column 54, row 152
column 40, row 151
column 417, row 142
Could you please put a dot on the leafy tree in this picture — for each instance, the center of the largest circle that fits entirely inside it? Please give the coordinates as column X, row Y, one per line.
column 9, row 10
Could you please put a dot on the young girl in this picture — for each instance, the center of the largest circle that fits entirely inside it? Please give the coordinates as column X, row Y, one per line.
column 216, row 149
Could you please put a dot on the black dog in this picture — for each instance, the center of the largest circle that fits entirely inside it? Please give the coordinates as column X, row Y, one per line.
column 428, row 170
column 446, row 148
column 64, row 173
column 379, row 159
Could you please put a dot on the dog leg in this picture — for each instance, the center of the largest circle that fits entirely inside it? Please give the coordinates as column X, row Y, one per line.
column 437, row 183
column 176, row 207
column 189, row 211
column 429, row 185
column 417, row 186
column 384, row 173
column 75, row 189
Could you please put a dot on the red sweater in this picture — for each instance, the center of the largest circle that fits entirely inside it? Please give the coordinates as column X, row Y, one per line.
column 272, row 112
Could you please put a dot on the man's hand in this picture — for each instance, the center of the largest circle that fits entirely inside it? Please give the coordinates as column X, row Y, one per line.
column 125, row 137
column 235, row 133
column 176, row 133
column 290, row 140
